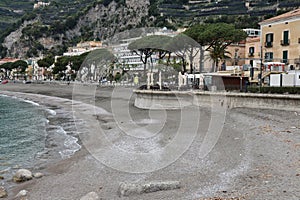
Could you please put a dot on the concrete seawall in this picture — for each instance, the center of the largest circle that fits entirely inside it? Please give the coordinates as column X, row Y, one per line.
column 148, row 99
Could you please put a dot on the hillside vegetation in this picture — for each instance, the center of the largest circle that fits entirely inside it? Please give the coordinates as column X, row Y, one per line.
column 28, row 32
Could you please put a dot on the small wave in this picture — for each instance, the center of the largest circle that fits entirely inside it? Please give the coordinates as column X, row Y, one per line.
column 5, row 170
column 52, row 112
column 70, row 144
column 31, row 102
column 67, row 153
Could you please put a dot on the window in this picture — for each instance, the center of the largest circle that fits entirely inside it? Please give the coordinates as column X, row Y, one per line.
column 285, row 56
column 285, row 40
column 269, row 56
column 269, row 40
column 251, row 51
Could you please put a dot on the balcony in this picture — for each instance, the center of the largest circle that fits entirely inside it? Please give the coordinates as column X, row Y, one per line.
column 285, row 42
column 268, row 44
column 250, row 54
column 286, row 61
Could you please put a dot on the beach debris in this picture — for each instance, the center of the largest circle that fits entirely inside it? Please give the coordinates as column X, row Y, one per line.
column 3, row 192
column 127, row 189
column 1, row 177
column 22, row 175
column 90, row 196
column 22, row 193
column 38, row 175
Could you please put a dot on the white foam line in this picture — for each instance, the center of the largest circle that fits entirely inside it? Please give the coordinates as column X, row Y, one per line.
column 52, row 112
column 31, row 102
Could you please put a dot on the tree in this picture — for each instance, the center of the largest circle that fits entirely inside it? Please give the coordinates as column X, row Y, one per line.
column 76, row 61
column 61, row 65
column 46, row 62
column 21, row 65
column 146, row 46
column 97, row 65
column 217, row 37
column 218, row 53
column 8, row 67
column 184, row 47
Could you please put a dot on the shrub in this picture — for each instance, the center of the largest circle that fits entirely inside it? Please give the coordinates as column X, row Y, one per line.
column 274, row 90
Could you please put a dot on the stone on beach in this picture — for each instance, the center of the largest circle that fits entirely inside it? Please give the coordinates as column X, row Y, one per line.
column 22, row 175
column 127, row 189
column 22, row 193
column 38, row 175
column 3, row 192
column 90, row 196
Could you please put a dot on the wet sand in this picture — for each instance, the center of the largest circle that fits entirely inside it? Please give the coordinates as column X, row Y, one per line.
column 256, row 157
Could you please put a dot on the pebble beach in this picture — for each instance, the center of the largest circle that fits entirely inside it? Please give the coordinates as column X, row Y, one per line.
column 257, row 155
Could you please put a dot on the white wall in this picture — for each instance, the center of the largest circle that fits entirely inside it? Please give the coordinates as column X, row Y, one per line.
column 275, row 80
column 288, row 80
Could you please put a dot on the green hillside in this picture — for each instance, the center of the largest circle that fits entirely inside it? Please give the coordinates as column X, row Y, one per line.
column 12, row 10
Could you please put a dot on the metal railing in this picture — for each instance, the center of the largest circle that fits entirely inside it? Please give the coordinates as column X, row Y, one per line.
column 285, row 42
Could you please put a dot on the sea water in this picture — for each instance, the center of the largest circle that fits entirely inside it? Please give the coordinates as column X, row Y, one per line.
column 31, row 134
column 22, row 132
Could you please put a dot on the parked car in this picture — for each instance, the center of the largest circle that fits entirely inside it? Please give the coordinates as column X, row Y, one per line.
column 26, row 82
column 4, row 81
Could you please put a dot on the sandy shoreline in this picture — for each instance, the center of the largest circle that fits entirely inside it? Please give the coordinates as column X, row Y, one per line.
column 256, row 157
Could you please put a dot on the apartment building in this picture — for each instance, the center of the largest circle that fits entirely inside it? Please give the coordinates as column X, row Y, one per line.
column 252, row 51
column 280, row 39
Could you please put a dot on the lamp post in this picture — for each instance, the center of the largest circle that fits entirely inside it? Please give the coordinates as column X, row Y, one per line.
column 261, row 64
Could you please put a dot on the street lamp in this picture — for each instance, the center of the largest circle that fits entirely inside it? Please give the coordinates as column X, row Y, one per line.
column 261, row 65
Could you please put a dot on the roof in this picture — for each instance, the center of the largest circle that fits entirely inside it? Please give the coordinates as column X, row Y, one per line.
column 5, row 60
column 255, row 39
column 285, row 16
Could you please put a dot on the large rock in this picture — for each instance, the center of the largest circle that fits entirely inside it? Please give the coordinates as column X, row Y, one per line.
column 3, row 192
column 127, row 189
column 22, row 175
column 90, row 196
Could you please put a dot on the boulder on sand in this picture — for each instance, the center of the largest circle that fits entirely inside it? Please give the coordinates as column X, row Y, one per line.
column 22, row 175
column 127, row 189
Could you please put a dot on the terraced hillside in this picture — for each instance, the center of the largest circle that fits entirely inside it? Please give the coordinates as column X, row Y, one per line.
column 28, row 32
column 199, row 10
column 12, row 10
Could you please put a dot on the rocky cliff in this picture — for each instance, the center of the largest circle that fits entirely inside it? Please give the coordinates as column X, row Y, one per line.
column 35, row 37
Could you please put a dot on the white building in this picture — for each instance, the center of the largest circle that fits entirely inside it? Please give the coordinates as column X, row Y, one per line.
column 83, row 47
column 131, row 59
column 40, row 4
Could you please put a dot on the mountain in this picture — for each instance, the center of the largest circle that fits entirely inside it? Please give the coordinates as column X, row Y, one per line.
column 56, row 24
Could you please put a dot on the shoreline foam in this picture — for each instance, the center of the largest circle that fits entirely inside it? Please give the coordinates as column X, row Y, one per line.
column 43, row 159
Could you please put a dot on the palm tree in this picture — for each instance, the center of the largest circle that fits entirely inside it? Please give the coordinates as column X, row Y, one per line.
column 218, row 54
